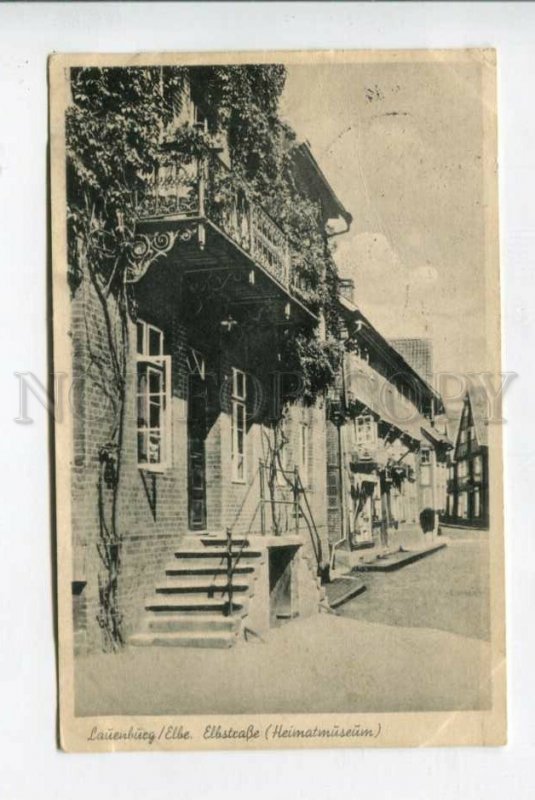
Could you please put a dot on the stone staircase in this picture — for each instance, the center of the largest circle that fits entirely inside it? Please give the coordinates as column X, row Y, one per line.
column 190, row 608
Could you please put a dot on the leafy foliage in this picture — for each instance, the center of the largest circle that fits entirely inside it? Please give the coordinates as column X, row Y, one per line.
column 113, row 134
column 243, row 100
column 122, row 124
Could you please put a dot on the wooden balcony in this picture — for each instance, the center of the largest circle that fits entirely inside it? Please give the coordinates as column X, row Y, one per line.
column 179, row 193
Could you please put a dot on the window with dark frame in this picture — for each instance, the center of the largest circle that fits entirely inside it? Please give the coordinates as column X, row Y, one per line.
column 238, row 432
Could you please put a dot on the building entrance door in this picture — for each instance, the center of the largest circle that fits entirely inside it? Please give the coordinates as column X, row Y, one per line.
column 197, row 429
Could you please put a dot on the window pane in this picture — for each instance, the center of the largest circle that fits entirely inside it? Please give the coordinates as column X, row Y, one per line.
column 155, row 414
column 238, row 440
column 155, row 447
column 155, row 381
column 155, row 342
column 140, row 337
column 240, row 429
column 142, row 420
column 150, row 404
column 238, row 388
column 141, row 379
column 142, row 448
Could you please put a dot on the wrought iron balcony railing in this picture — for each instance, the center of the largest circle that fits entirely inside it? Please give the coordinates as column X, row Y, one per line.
column 199, row 189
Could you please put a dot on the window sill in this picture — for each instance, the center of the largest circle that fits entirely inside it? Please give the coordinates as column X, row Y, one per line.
column 153, row 468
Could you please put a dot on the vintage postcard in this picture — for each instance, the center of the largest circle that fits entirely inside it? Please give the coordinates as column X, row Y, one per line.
column 276, row 320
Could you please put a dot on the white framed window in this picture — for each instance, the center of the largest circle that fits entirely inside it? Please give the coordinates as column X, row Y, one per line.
column 365, row 430
column 153, row 399
column 238, row 425
column 200, row 120
column 462, row 469
column 425, row 467
column 478, row 467
column 451, row 470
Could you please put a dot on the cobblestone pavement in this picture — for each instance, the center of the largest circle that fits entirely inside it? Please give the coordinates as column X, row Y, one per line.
column 448, row 590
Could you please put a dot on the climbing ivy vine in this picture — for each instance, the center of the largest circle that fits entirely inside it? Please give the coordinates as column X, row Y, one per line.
column 119, row 126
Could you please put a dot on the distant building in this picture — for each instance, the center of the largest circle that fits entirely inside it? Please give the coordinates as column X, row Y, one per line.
column 468, row 483
column 418, row 353
column 386, row 458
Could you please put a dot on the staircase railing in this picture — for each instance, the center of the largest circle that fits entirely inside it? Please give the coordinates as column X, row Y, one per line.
column 230, row 570
column 232, row 556
column 309, row 519
column 278, row 503
column 300, row 509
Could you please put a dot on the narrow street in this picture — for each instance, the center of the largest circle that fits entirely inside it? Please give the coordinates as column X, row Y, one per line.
column 416, row 640
column 447, row 591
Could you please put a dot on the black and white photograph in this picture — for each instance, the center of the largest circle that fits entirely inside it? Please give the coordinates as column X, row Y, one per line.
column 278, row 471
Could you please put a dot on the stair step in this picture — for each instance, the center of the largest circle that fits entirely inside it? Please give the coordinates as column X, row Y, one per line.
column 193, row 570
column 206, row 582
column 216, row 551
column 185, row 603
column 221, row 541
column 169, row 623
column 212, row 563
column 182, row 586
column 185, row 639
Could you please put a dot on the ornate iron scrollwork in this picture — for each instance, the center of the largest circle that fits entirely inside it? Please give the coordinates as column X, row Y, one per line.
column 145, row 249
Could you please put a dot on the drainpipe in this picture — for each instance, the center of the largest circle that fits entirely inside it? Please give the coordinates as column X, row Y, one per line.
column 341, row 453
column 434, row 489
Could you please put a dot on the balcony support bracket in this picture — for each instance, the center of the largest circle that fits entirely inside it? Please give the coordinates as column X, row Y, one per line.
column 145, row 250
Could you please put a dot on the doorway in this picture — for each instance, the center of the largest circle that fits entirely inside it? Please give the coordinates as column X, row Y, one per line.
column 281, row 600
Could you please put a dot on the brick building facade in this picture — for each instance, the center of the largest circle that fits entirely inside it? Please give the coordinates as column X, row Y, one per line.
column 221, row 501
column 386, row 442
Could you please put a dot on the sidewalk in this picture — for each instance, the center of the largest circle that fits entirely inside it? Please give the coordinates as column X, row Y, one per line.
column 343, row 588
column 392, row 560
column 405, row 545
column 322, row 664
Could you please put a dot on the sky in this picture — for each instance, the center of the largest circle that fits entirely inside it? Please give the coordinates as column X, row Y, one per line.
column 401, row 144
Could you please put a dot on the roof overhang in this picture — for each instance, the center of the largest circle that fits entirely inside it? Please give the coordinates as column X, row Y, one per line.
column 436, row 438
column 313, row 181
column 352, row 313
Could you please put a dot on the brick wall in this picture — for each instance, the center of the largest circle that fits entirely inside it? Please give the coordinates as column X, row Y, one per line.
column 153, row 506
